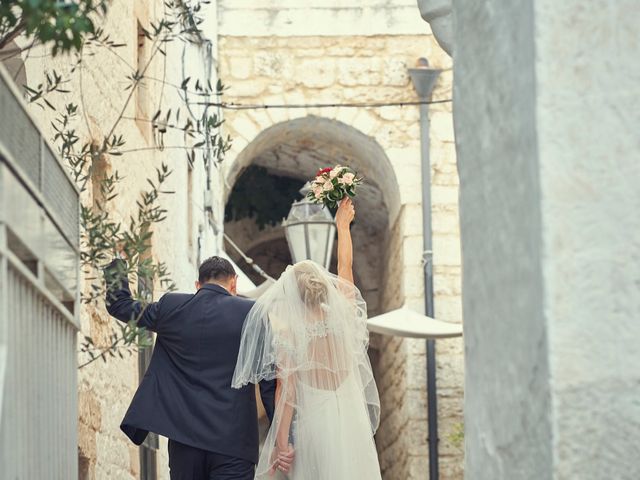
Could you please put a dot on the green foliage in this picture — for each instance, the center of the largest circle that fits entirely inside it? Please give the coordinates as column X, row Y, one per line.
column 457, row 436
column 126, row 341
column 103, row 232
column 262, row 196
column 102, row 235
column 61, row 24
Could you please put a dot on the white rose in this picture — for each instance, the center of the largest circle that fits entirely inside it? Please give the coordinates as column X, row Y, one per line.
column 347, row 178
column 336, row 171
column 328, row 186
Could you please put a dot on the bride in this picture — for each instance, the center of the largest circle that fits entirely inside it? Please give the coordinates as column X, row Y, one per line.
column 309, row 332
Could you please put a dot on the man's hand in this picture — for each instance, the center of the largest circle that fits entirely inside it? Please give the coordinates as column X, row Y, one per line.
column 284, row 459
column 346, row 213
column 120, row 252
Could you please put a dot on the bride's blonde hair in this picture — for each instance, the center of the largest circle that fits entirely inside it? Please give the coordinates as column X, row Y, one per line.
column 311, row 285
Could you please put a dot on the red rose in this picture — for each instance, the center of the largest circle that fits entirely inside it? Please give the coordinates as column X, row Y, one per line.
column 323, row 171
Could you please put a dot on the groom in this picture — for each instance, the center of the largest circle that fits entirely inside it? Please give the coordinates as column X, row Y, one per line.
column 186, row 393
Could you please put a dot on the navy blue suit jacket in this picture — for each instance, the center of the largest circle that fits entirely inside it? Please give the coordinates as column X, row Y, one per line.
column 186, row 393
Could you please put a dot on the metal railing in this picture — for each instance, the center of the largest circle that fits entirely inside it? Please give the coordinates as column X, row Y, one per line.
column 38, row 301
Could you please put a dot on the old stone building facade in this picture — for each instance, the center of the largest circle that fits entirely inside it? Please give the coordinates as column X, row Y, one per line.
column 189, row 231
column 547, row 284
column 292, row 55
column 301, row 54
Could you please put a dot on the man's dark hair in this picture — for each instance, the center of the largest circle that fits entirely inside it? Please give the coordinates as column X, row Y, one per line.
column 215, row 269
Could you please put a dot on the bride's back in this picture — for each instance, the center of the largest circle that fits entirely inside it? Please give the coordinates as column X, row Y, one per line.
column 322, row 338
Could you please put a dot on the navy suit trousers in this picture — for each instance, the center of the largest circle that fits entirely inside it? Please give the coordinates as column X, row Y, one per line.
column 190, row 463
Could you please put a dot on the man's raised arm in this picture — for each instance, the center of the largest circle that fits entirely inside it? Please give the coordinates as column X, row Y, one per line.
column 120, row 304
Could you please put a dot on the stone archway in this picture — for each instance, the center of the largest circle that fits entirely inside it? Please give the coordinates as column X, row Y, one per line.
column 296, row 149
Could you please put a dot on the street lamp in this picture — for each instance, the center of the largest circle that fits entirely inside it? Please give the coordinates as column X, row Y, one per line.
column 310, row 231
column 424, row 78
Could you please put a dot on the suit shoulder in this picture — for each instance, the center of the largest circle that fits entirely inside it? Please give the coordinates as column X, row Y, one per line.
column 178, row 295
column 174, row 299
column 241, row 302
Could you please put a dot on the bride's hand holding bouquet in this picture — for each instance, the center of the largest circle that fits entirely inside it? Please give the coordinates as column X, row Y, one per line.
column 331, row 185
column 345, row 214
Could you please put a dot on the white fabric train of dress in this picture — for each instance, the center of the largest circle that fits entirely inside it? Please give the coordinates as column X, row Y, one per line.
column 333, row 437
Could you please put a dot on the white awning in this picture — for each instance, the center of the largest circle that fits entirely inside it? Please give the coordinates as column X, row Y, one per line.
column 256, row 292
column 402, row 322
column 405, row 322
column 244, row 282
column 246, row 287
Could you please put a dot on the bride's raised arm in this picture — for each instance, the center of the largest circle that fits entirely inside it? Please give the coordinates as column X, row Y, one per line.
column 344, row 217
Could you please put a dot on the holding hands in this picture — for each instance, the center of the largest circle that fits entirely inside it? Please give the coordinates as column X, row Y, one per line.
column 284, row 459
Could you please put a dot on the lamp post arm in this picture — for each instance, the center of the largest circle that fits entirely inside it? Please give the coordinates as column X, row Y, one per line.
column 248, row 259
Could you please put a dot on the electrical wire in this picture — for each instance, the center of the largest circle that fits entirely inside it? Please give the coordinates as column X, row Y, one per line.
column 248, row 259
column 258, row 106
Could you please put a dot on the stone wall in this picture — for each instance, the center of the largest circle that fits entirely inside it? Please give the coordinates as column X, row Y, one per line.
column 549, row 201
column 105, row 389
column 308, row 69
column 291, row 18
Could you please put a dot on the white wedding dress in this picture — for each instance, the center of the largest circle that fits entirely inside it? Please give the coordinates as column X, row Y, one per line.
column 309, row 331
column 333, row 437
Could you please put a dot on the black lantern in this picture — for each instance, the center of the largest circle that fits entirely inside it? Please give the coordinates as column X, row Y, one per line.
column 310, row 231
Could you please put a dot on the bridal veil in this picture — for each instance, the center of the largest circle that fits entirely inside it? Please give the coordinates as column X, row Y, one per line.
column 309, row 331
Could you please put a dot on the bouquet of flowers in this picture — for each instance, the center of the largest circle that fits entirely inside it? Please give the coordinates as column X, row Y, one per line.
column 333, row 184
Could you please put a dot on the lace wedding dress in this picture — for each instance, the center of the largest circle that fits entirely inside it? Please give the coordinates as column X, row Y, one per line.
column 309, row 331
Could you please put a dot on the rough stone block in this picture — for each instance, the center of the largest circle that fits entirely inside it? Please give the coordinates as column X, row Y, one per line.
column 418, row 467
column 450, row 370
column 395, row 72
column 446, row 285
column 416, row 368
column 446, row 249
column 276, row 115
column 346, row 114
column 362, row 72
column 89, row 410
column 365, row 121
column 413, row 281
column 246, row 128
column 448, row 308
column 412, row 249
column 261, row 118
column 441, row 126
column 391, row 113
column 247, row 88
column 444, row 195
column 412, row 213
column 240, row 68
column 446, row 222
column 272, row 64
column 316, row 73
